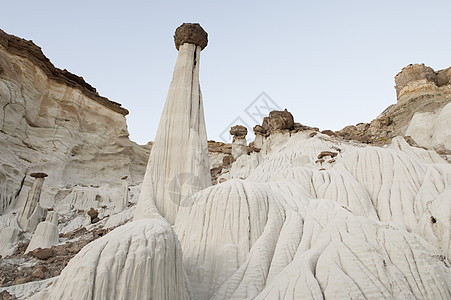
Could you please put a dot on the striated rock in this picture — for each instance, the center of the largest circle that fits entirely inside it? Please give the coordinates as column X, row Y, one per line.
column 179, row 163
column 219, row 147
column 46, row 234
column 191, row 33
column 124, row 195
column 413, row 73
column 140, row 260
column 54, row 121
column 31, row 214
column 9, row 236
column 28, row 50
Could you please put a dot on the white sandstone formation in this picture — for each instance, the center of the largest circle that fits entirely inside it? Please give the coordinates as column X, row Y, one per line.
column 178, row 165
column 140, row 260
column 53, row 120
column 32, row 213
column 432, row 129
column 46, row 234
column 8, row 239
column 124, row 195
column 239, row 145
column 374, row 223
column 303, row 216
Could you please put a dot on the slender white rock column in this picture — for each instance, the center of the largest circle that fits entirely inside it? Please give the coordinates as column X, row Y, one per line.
column 124, row 196
column 178, row 164
column 31, row 214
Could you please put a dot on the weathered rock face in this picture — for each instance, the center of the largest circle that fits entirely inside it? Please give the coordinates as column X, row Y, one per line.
column 46, row 234
column 413, row 73
column 334, row 229
column 421, row 111
column 141, row 260
column 53, row 121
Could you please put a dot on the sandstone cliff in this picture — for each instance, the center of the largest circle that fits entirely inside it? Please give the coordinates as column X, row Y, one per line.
column 55, row 122
column 422, row 111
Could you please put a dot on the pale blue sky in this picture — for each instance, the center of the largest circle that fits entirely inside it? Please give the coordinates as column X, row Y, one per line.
column 331, row 63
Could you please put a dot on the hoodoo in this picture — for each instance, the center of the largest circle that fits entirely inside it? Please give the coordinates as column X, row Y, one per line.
column 178, row 166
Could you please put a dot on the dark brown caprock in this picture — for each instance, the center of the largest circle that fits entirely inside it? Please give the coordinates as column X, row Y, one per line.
column 191, row 33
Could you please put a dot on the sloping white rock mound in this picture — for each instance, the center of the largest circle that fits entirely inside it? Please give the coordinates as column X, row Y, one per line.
column 371, row 223
column 46, row 234
column 178, row 164
column 140, row 260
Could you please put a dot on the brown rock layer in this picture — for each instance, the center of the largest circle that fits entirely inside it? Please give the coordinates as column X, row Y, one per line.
column 191, row 33
column 29, row 50
column 238, row 130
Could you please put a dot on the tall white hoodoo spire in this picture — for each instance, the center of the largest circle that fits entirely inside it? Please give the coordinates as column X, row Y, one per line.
column 178, row 164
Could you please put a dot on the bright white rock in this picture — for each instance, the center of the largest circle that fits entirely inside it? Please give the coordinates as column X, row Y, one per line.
column 373, row 223
column 179, row 164
column 140, row 260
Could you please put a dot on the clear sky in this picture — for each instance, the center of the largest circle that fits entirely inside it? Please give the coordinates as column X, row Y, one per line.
column 331, row 63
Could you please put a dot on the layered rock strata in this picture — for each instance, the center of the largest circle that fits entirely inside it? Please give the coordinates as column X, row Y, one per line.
column 53, row 121
column 421, row 112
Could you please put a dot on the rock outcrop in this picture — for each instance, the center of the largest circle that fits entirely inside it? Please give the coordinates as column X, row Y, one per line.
column 46, row 234
column 354, row 220
column 179, row 164
column 32, row 213
column 420, row 113
column 140, row 260
column 53, row 121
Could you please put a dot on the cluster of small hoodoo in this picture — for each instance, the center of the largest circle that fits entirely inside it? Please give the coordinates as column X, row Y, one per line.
column 31, row 219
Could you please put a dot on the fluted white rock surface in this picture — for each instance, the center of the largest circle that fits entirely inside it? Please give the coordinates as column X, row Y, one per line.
column 178, row 165
column 46, row 234
column 372, row 223
column 140, row 260
column 8, row 239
